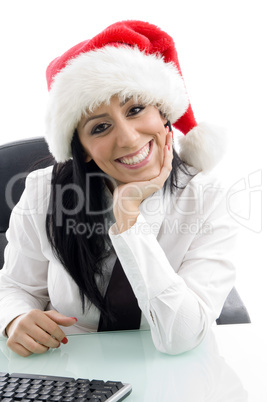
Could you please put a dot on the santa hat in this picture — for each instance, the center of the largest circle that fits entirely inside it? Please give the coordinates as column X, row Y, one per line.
column 128, row 59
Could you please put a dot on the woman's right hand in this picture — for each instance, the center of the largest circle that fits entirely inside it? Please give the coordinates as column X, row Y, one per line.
column 37, row 331
column 128, row 197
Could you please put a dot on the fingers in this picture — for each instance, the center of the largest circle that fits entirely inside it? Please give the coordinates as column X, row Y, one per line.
column 168, row 152
column 19, row 349
column 48, row 327
column 159, row 181
column 37, row 331
column 45, row 338
column 26, row 346
column 60, row 318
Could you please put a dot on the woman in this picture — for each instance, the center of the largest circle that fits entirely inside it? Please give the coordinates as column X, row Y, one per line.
column 121, row 233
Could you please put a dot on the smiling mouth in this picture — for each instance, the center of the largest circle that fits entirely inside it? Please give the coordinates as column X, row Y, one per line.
column 137, row 157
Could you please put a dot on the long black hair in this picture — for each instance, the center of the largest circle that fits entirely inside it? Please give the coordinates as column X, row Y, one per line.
column 78, row 205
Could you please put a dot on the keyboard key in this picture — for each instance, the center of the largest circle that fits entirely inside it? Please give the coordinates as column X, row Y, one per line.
column 82, row 381
column 8, row 394
column 44, row 397
column 103, row 395
column 83, row 387
column 25, row 381
column 32, row 396
column 69, row 393
column 34, row 389
column 118, row 384
column 59, row 389
column 57, row 392
column 13, row 379
column 96, row 382
column 112, row 388
column 48, row 382
column 37, row 382
column 10, row 388
column 60, row 383
column 46, row 390
column 20, row 395
column 23, row 388
column 83, row 394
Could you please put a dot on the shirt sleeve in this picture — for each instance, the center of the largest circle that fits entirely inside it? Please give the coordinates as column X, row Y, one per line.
column 23, row 279
column 181, row 302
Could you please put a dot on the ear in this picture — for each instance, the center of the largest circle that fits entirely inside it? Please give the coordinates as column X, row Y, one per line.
column 168, row 126
column 163, row 118
column 85, row 154
column 87, row 157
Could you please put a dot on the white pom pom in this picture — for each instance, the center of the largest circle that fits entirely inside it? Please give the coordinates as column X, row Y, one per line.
column 203, row 146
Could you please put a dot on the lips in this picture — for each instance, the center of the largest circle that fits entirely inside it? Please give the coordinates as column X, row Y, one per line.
column 136, row 158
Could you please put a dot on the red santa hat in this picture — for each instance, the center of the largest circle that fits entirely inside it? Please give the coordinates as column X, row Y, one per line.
column 128, row 59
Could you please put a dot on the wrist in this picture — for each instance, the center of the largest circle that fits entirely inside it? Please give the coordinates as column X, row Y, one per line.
column 10, row 325
column 126, row 221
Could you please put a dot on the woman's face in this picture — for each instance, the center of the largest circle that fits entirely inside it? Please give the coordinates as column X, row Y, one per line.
column 125, row 139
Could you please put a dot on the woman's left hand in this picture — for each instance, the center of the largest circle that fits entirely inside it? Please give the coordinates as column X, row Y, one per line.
column 128, row 197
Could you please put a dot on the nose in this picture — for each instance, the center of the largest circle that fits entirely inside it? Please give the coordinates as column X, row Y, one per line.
column 126, row 134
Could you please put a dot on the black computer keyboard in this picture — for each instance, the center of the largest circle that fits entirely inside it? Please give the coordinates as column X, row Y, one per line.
column 31, row 387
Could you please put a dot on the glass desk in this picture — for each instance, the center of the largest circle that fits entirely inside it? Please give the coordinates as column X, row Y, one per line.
column 228, row 366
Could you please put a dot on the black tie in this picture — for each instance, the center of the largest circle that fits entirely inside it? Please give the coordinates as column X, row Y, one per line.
column 122, row 303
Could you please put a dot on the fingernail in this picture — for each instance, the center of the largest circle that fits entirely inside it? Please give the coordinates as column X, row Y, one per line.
column 172, row 134
column 74, row 318
column 64, row 340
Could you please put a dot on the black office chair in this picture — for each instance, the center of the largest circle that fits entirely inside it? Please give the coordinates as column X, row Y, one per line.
column 16, row 161
column 18, row 158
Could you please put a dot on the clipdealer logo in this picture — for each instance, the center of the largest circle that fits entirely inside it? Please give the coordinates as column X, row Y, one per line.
column 244, row 201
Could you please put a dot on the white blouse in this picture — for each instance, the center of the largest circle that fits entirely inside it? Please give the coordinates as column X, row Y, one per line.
column 178, row 258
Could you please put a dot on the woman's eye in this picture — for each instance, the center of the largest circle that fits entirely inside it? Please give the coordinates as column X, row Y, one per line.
column 100, row 128
column 135, row 110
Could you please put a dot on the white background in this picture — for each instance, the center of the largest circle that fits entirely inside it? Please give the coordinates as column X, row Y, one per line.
column 222, row 52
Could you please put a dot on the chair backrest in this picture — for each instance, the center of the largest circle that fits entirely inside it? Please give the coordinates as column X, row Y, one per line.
column 17, row 159
column 234, row 311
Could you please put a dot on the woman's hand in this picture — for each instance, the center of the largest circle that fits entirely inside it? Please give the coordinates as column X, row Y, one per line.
column 128, row 197
column 37, row 331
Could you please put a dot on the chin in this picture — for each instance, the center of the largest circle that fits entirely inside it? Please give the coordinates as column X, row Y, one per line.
column 147, row 177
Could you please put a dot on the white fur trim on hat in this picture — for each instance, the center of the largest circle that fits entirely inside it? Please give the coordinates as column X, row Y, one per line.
column 93, row 78
column 203, row 146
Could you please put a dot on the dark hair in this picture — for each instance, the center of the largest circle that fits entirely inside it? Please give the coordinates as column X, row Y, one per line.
column 81, row 256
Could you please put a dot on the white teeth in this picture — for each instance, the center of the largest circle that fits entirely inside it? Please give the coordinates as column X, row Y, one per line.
column 136, row 158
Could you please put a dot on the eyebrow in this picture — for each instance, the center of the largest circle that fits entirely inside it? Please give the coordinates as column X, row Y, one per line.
column 94, row 117
column 105, row 114
column 122, row 103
